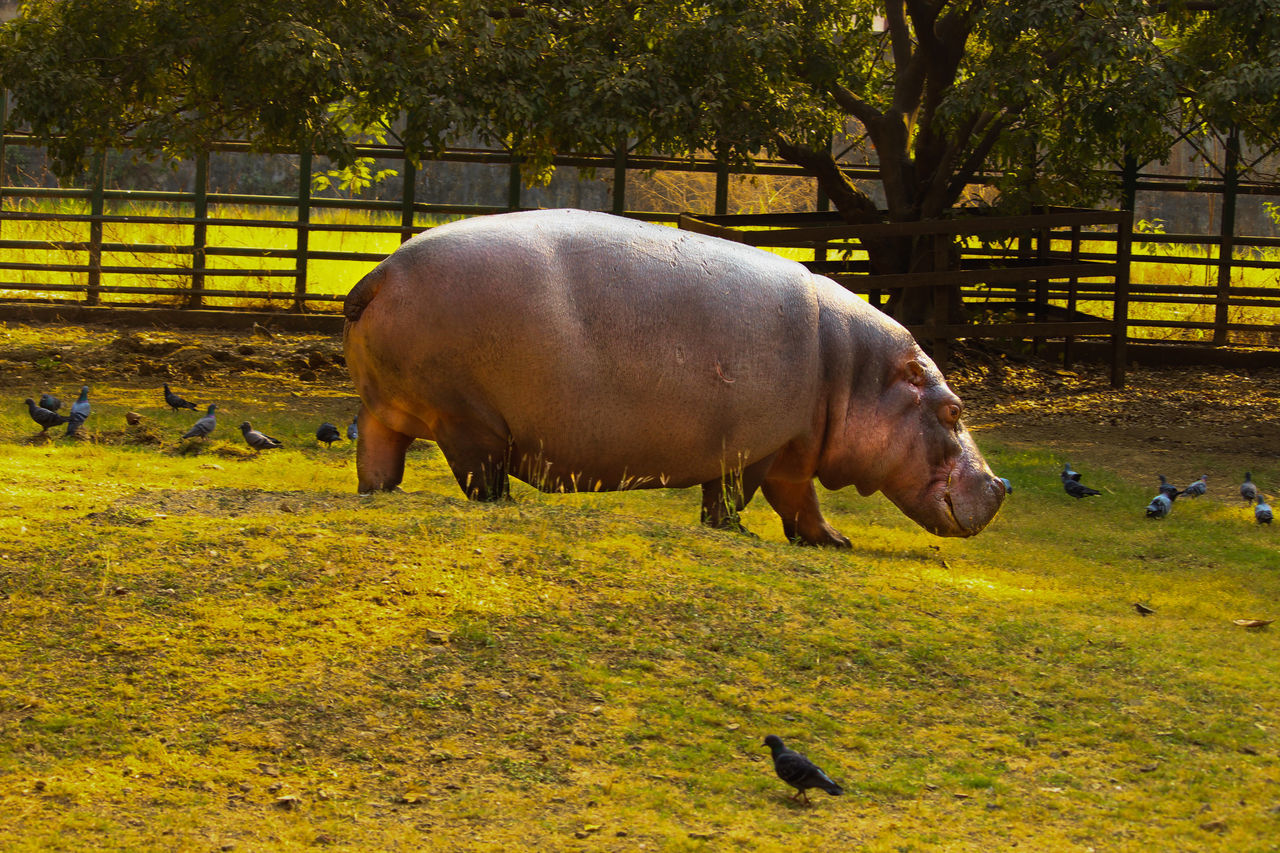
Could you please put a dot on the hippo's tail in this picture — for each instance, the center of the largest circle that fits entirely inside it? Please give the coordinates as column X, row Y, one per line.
column 363, row 293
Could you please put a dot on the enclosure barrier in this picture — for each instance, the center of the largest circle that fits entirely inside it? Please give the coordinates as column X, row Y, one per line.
column 63, row 247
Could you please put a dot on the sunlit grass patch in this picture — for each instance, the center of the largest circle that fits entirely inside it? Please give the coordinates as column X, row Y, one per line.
column 201, row 649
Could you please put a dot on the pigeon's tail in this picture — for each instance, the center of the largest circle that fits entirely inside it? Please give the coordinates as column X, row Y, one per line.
column 74, row 422
column 831, row 788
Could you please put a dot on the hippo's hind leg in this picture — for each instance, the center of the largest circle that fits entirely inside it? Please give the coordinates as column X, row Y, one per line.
column 802, row 521
column 379, row 454
column 726, row 496
column 479, row 460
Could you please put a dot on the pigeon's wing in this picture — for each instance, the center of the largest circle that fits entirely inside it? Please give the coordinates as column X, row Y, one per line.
column 801, row 773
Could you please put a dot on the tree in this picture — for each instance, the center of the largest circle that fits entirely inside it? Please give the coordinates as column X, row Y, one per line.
column 1038, row 92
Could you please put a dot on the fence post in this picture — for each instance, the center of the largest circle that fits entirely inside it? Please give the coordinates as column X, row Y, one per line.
column 408, row 197
column 97, row 205
column 304, row 231
column 513, row 184
column 941, row 302
column 199, row 231
column 722, row 185
column 4, row 126
column 620, row 178
column 1120, row 312
column 1073, row 284
column 1226, row 248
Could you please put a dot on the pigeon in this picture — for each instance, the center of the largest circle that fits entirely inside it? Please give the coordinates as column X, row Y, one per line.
column 1072, row 485
column 328, row 433
column 204, row 426
column 1159, row 506
column 79, row 411
column 1142, row 609
column 353, row 429
column 1008, row 487
column 258, row 441
column 1197, row 488
column 50, row 402
column 1248, row 489
column 798, row 771
column 1262, row 512
column 1169, row 490
column 175, row 402
column 44, row 417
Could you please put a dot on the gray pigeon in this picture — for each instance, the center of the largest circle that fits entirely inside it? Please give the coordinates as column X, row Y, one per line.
column 1198, row 487
column 44, row 417
column 1249, row 489
column 175, row 402
column 1159, row 506
column 50, row 402
column 1072, row 485
column 328, row 433
column 1169, row 490
column 1262, row 512
column 256, row 440
column 353, row 429
column 798, row 771
column 201, row 428
column 79, row 411
column 1008, row 487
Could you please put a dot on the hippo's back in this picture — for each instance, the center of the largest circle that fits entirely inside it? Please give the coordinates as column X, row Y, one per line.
column 597, row 339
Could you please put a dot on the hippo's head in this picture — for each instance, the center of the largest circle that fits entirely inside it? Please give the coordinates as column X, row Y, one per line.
column 910, row 444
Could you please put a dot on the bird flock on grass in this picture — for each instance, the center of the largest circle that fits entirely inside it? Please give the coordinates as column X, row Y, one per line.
column 46, row 415
column 1162, row 504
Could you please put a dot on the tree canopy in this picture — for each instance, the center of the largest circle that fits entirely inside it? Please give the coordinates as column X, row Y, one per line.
column 1040, row 92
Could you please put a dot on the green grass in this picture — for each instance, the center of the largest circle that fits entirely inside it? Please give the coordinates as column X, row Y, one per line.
column 203, row 647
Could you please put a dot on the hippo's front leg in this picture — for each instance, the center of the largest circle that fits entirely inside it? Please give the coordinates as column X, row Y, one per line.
column 379, row 454
column 727, row 495
column 802, row 521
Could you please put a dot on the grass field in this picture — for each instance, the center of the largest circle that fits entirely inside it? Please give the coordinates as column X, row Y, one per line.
column 205, row 649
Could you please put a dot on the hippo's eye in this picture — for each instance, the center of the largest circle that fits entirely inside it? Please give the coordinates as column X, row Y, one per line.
column 950, row 414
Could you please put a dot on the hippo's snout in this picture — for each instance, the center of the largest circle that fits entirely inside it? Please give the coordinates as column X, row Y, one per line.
column 973, row 501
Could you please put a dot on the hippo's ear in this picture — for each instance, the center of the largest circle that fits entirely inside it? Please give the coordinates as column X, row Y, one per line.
column 915, row 374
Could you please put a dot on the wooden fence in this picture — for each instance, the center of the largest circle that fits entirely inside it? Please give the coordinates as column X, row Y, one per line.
column 66, row 246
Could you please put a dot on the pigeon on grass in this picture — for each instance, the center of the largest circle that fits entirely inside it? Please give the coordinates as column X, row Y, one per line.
column 328, row 433
column 79, row 411
column 1198, row 487
column 1169, row 490
column 44, row 417
column 201, row 428
column 175, row 402
column 1071, row 485
column 1159, row 506
column 1248, row 489
column 257, row 440
column 1262, row 512
column 1008, row 487
column 50, row 402
column 798, row 771
column 353, row 428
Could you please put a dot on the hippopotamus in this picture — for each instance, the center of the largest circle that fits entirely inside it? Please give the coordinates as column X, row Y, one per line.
column 581, row 351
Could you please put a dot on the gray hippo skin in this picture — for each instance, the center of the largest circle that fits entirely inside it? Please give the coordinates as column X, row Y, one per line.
column 586, row 352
